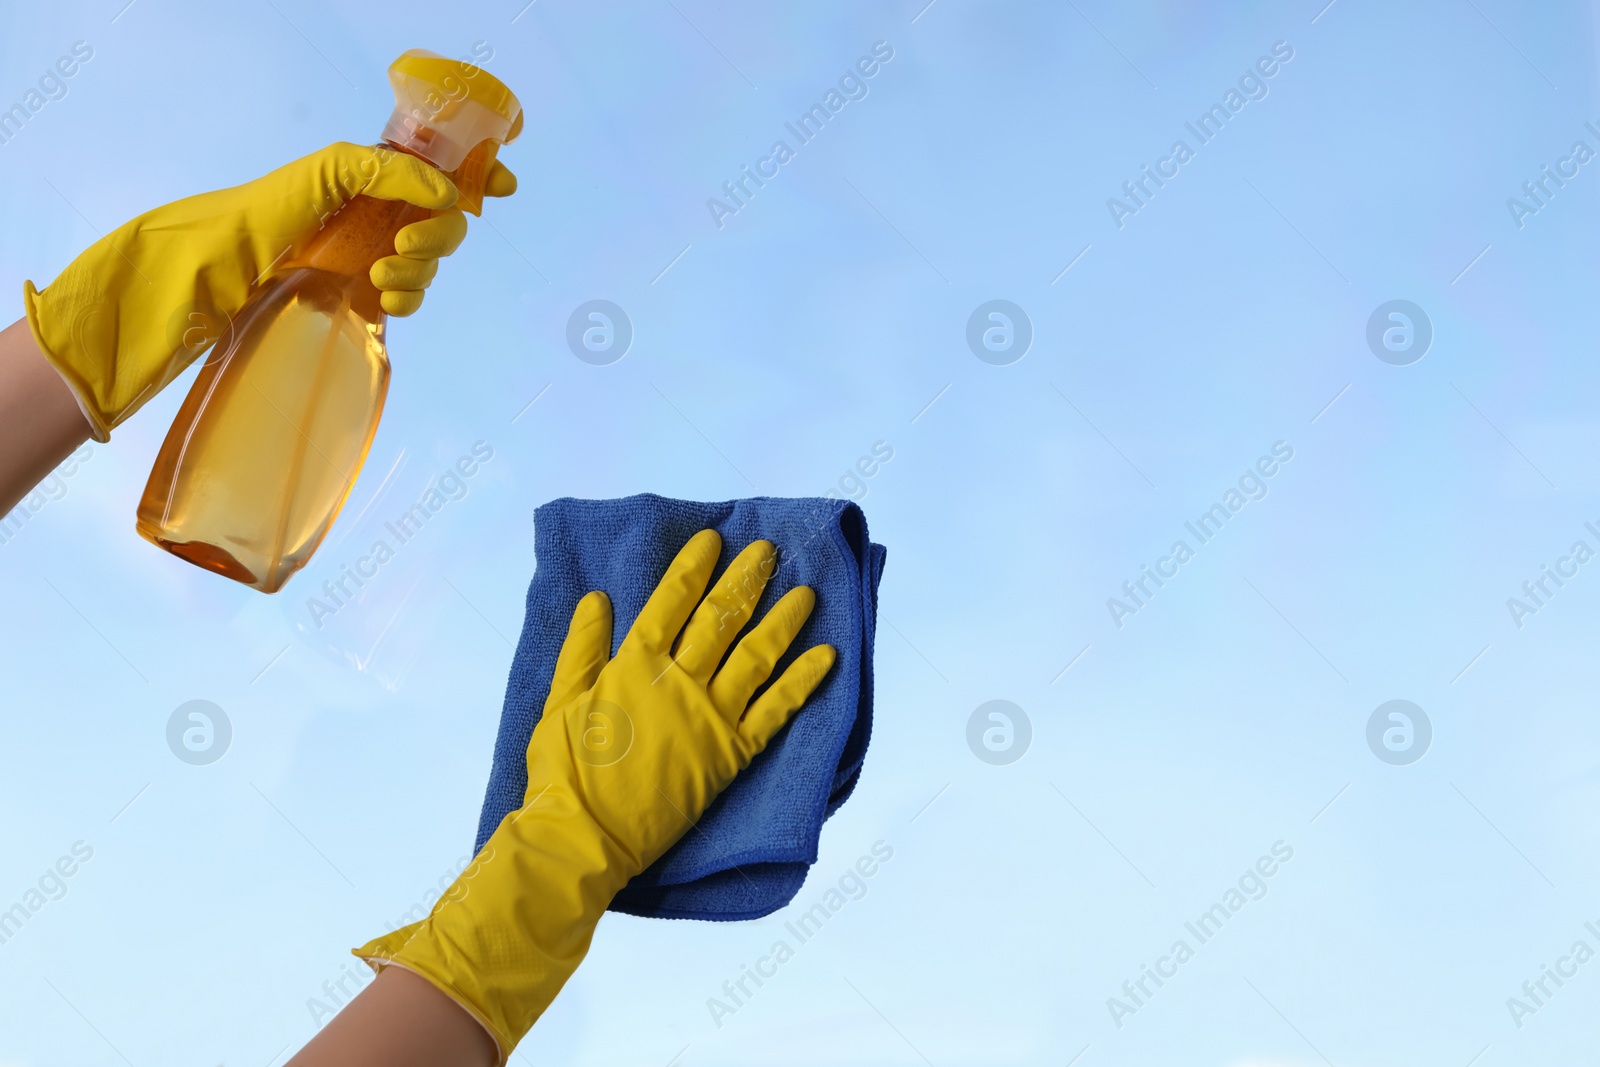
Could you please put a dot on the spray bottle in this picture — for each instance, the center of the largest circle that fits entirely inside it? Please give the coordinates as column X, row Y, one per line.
column 268, row 443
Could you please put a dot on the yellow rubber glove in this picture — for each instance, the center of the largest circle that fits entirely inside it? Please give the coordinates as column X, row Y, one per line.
column 115, row 322
column 628, row 755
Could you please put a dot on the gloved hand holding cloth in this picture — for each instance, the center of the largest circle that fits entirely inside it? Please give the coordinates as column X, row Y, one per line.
column 629, row 753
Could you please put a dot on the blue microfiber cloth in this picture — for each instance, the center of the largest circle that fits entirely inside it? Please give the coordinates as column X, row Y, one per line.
column 752, row 847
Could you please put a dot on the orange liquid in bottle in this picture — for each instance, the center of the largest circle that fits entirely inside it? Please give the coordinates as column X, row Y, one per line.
column 270, row 439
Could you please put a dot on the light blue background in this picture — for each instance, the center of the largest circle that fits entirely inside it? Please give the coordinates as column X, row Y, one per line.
column 824, row 317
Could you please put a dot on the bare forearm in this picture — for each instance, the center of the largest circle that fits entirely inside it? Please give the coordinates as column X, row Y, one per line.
column 40, row 423
column 400, row 1020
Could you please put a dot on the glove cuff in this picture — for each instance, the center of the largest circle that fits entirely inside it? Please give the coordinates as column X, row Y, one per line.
column 51, row 349
column 509, row 932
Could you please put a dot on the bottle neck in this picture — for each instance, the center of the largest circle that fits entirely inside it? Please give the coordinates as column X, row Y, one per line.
column 469, row 178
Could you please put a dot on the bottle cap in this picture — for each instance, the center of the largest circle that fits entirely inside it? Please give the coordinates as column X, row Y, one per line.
column 454, row 115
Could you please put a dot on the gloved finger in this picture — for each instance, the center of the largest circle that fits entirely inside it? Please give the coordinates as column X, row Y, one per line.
column 752, row 661
column 432, row 238
column 586, row 650
column 403, row 272
column 500, row 182
column 786, row 696
column 676, row 595
column 390, row 175
column 401, row 302
column 725, row 610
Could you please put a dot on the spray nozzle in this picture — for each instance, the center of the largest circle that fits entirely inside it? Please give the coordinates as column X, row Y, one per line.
column 454, row 115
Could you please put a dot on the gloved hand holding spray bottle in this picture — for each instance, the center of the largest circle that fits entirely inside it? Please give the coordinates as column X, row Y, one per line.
column 268, row 443
column 272, row 435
